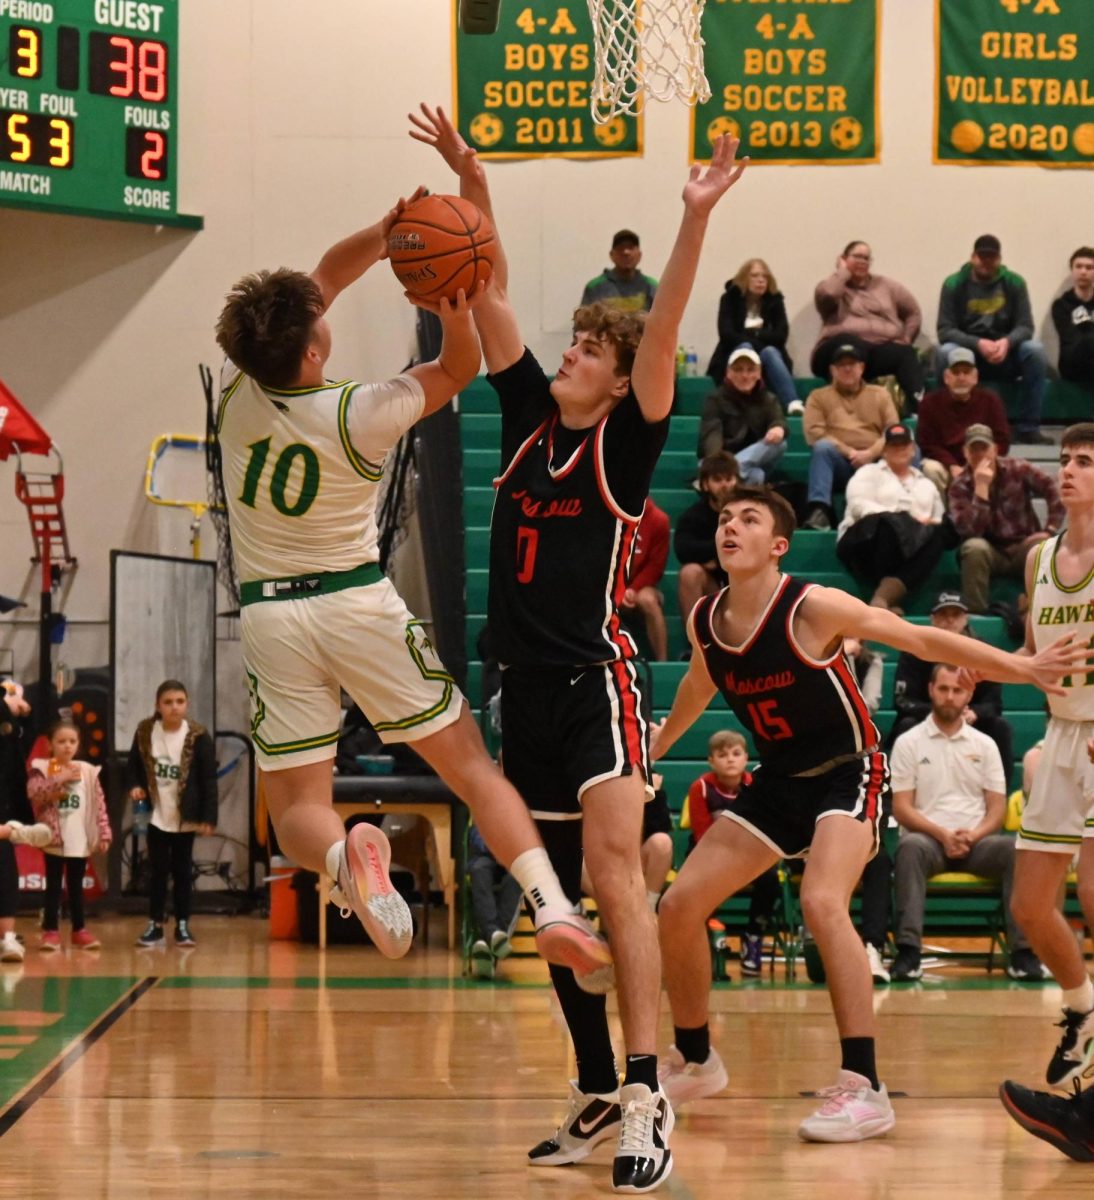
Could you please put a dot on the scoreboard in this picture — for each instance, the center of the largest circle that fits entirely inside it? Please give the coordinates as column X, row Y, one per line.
column 89, row 108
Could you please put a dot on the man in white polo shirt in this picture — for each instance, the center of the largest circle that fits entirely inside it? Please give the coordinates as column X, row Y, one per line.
column 949, row 799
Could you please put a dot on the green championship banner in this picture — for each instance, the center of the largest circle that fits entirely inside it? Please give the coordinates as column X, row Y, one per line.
column 523, row 92
column 1014, row 82
column 797, row 83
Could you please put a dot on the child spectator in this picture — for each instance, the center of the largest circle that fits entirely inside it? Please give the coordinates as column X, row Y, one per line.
column 713, row 793
column 67, row 796
column 172, row 762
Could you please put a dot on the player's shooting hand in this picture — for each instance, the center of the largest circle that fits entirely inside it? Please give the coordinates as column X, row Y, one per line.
column 446, row 309
column 393, row 214
column 705, row 188
column 433, row 128
column 1068, row 655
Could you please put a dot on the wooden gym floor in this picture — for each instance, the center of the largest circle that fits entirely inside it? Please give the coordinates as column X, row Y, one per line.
column 246, row 1068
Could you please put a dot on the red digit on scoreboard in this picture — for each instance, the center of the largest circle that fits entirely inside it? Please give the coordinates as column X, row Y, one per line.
column 123, row 66
column 152, row 71
column 153, row 157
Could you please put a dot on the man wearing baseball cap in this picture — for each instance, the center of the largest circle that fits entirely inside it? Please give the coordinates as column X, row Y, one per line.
column 946, row 414
column 984, row 307
column 743, row 417
column 622, row 286
column 844, row 425
column 891, row 532
column 991, row 505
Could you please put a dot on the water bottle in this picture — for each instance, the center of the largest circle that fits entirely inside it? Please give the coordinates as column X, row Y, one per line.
column 142, row 813
column 681, row 361
column 691, row 363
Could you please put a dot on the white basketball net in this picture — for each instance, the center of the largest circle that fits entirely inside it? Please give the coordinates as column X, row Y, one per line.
column 646, row 48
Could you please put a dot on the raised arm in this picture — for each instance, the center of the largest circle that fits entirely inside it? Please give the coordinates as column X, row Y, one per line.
column 829, row 614
column 458, row 362
column 502, row 343
column 653, row 376
column 346, row 261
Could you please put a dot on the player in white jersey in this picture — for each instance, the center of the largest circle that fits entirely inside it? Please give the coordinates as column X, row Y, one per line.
column 1059, row 818
column 303, row 458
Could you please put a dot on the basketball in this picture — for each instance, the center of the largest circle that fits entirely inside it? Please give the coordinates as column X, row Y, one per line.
column 440, row 244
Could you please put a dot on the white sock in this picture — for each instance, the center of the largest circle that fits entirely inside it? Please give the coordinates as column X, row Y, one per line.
column 537, row 878
column 334, row 859
column 1080, row 999
column 652, row 898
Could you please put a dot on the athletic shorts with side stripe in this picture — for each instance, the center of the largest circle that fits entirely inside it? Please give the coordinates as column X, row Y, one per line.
column 783, row 810
column 564, row 730
column 1060, row 811
column 298, row 653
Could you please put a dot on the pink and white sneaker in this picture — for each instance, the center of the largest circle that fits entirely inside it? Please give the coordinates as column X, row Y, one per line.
column 50, row 942
column 682, row 1081
column 852, row 1112
column 84, row 939
column 364, row 887
column 568, row 940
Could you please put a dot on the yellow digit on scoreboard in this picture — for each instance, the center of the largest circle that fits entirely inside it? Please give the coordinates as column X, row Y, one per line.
column 28, row 47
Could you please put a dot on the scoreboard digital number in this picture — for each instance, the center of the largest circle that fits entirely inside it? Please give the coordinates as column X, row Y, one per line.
column 88, row 108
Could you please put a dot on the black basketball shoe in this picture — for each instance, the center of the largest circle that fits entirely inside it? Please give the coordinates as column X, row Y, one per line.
column 1067, row 1124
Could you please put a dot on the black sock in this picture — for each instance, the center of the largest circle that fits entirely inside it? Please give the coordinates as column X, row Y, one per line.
column 858, row 1056
column 641, row 1068
column 693, row 1044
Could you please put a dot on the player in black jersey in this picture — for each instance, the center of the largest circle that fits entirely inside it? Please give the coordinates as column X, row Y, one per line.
column 578, row 452
column 773, row 646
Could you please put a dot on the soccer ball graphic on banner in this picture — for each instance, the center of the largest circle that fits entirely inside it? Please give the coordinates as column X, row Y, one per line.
column 486, row 129
column 612, row 132
column 846, row 133
column 720, row 126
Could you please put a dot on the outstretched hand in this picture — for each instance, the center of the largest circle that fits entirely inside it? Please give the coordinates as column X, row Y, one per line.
column 445, row 308
column 433, row 128
column 656, row 728
column 393, row 214
column 1068, row 655
column 704, row 189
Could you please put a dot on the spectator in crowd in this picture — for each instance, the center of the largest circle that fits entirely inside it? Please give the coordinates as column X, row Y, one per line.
column 713, row 793
column 1073, row 316
column 752, row 312
column 878, row 313
column 946, row 414
column 985, row 308
column 991, row 506
column 743, row 417
column 911, row 687
column 949, row 798
column 643, row 595
column 495, row 905
column 693, row 541
column 622, row 286
column 891, row 532
column 844, row 424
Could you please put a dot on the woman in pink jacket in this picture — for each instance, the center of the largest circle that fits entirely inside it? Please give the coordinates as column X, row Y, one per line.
column 877, row 315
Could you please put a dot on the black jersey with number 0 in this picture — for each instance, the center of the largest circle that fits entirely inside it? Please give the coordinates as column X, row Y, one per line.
column 566, row 510
column 802, row 712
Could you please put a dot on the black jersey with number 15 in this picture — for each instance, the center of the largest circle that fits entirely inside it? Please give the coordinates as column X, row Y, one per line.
column 802, row 712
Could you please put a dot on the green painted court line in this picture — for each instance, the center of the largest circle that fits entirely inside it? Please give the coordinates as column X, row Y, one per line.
column 54, row 1013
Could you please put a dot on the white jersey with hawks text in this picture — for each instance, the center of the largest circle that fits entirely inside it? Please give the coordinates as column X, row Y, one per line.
column 1054, row 610
column 302, row 467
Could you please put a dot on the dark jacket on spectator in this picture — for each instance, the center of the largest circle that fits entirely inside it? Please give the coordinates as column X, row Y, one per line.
column 693, row 541
column 198, row 771
column 1074, row 321
column 940, row 430
column 911, row 698
column 732, row 311
column 732, row 420
column 957, row 323
column 14, row 805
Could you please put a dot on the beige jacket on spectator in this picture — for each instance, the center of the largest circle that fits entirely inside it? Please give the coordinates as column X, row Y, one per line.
column 855, row 422
column 882, row 311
